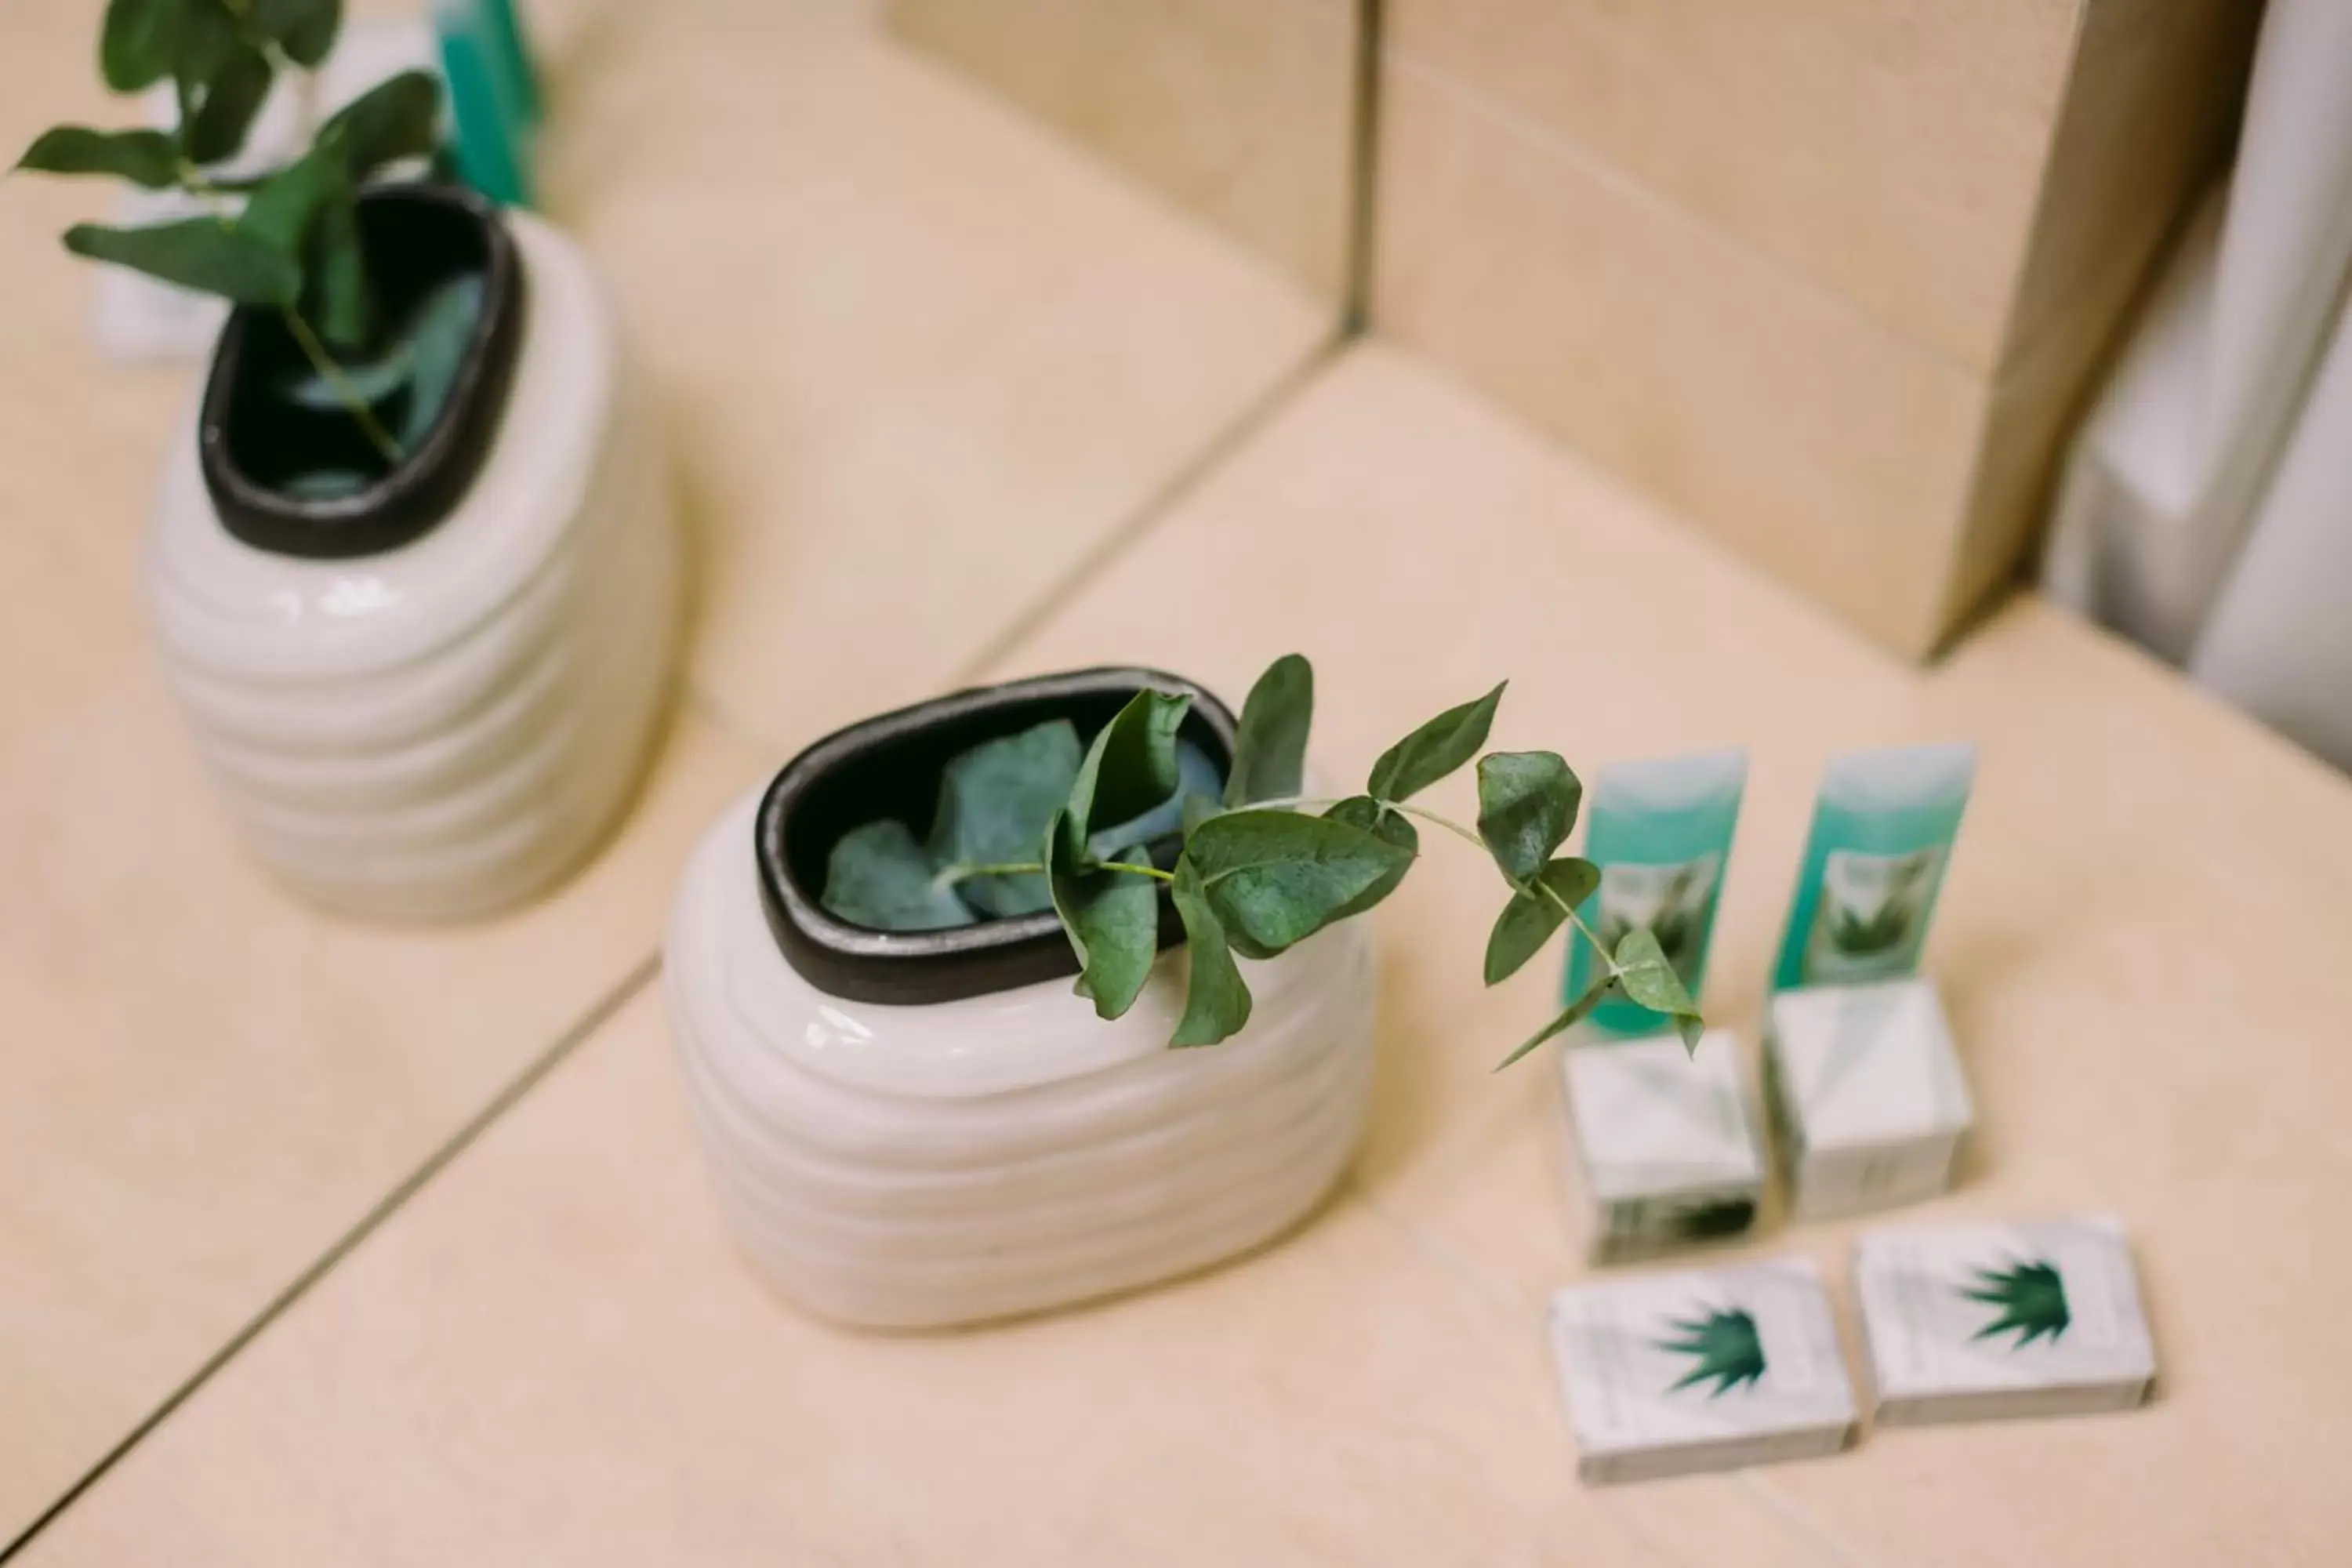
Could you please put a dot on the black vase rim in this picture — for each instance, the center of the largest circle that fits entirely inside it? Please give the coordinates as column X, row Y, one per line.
column 410, row 500
column 857, row 962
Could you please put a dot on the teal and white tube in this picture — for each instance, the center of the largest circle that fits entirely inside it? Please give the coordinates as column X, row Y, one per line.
column 1661, row 833
column 1882, row 832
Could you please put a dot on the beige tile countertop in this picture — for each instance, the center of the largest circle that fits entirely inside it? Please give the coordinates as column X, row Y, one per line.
column 895, row 326
column 552, row 1354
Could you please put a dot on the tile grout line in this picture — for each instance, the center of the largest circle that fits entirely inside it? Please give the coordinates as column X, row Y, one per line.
column 1139, row 524
column 1363, row 170
column 1790, row 1512
column 385, row 1208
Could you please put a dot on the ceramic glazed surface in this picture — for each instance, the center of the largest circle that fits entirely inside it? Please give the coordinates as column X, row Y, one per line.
column 445, row 729
column 920, row 1167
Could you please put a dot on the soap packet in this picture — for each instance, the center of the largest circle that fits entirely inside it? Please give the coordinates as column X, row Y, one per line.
column 1864, row 1088
column 1672, row 1372
column 1970, row 1323
column 1662, row 1148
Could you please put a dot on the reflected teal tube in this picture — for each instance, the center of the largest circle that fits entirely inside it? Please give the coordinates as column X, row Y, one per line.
column 1661, row 833
column 1881, row 835
column 493, row 96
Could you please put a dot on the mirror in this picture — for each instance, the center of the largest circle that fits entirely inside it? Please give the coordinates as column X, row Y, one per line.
column 935, row 300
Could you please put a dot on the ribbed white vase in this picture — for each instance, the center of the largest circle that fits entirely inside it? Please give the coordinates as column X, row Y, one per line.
column 927, row 1165
column 445, row 729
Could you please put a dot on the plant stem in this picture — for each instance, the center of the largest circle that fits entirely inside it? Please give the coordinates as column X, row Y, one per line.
column 1286, row 802
column 324, row 363
column 1467, row 835
column 1154, row 872
column 1577, row 921
column 1447, row 822
column 193, row 181
column 1607, row 958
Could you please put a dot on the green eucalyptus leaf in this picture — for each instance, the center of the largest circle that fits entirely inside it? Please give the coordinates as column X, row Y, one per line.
column 996, row 802
column 1435, row 750
column 438, row 336
column 1216, row 998
column 1197, row 809
column 1112, row 919
column 879, row 876
column 205, row 38
column 1527, row 803
column 1389, row 826
column 415, row 360
column 142, row 157
column 1275, row 878
column 1270, row 741
column 1535, row 911
column 134, row 43
column 398, row 118
column 1650, row 979
column 1197, row 779
column 1566, row 1018
column 231, row 98
column 199, row 253
column 305, row 29
column 374, row 380
column 1131, row 765
column 344, row 305
column 283, row 208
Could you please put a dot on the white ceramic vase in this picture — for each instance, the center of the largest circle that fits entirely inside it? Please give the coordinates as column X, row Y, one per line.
column 924, row 1165
column 441, row 730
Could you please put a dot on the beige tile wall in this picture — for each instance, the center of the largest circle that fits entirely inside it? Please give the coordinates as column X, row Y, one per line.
column 1241, row 109
column 1827, row 276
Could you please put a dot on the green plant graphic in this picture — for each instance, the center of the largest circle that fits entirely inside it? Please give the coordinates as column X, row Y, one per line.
column 1887, row 927
column 1681, row 913
column 1724, row 1348
column 2032, row 1298
column 1863, row 936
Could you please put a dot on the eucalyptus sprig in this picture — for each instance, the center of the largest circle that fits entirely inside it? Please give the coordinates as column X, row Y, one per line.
column 1264, row 867
column 296, row 244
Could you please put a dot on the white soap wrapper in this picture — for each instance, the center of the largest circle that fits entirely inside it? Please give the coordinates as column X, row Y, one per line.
column 1663, row 1150
column 1984, row 1322
column 1866, row 1097
column 1701, row 1370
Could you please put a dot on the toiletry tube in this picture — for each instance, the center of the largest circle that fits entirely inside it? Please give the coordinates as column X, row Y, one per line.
column 1661, row 833
column 1882, row 830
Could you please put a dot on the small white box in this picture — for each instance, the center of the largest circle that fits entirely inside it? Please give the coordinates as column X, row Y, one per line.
column 1662, row 1141
column 1866, row 1097
column 1970, row 1322
column 1701, row 1370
